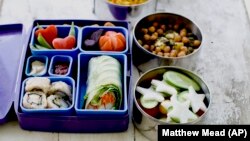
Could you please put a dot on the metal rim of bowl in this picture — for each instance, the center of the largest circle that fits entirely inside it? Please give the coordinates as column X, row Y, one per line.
column 124, row 6
column 158, row 120
column 175, row 14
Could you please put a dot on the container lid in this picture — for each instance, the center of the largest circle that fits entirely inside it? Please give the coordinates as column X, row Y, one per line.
column 10, row 53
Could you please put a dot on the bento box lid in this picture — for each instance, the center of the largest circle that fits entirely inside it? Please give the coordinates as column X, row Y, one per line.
column 11, row 47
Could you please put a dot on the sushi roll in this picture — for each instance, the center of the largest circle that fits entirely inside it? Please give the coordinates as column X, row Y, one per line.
column 104, row 87
column 38, row 84
column 57, row 101
column 34, row 100
column 60, row 88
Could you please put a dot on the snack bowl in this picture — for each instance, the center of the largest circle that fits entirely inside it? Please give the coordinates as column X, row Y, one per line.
column 51, row 111
column 123, row 12
column 63, row 60
column 83, row 67
column 168, row 37
column 40, row 58
column 62, row 32
column 143, row 118
column 87, row 31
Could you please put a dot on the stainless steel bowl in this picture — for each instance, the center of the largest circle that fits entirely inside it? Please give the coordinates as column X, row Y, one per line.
column 147, row 124
column 108, row 11
column 170, row 18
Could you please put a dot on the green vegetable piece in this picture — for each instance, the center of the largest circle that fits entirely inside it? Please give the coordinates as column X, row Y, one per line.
column 39, row 26
column 180, row 80
column 72, row 30
column 148, row 104
column 182, row 97
column 43, row 42
column 41, row 47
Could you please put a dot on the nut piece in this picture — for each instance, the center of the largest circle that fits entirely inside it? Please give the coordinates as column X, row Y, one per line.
column 109, row 24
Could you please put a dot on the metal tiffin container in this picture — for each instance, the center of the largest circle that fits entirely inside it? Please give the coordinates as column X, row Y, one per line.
column 143, row 120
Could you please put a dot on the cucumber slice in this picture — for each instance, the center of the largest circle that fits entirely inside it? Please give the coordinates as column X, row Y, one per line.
column 182, row 97
column 148, row 104
column 180, row 80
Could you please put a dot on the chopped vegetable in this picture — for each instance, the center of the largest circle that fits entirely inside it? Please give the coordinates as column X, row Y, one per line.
column 196, row 100
column 49, row 33
column 43, row 42
column 163, row 87
column 180, row 112
column 179, row 80
column 68, row 42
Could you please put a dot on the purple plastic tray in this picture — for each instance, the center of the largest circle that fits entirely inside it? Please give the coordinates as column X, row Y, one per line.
column 54, row 123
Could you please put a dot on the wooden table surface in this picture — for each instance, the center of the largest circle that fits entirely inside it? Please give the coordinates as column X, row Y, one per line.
column 224, row 60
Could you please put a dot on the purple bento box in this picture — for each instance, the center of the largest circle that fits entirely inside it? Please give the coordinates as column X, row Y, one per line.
column 15, row 50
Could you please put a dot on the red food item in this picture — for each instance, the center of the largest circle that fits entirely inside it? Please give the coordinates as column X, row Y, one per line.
column 112, row 41
column 68, row 42
column 154, row 112
column 61, row 69
column 49, row 33
column 200, row 113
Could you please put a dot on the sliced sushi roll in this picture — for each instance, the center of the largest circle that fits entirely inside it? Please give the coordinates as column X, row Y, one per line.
column 57, row 101
column 34, row 100
column 60, row 88
column 38, row 84
column 104, row 86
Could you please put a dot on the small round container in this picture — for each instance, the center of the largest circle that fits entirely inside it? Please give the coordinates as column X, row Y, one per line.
column 171, row 18
column 147, row 124
column 123, row 12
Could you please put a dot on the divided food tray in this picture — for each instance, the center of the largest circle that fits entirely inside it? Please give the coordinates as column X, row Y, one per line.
column 73, row 119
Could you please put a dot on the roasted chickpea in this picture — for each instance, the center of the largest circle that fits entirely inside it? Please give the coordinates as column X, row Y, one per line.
column 183, row 32
column 167, row 49
column 155, row 34
column 160, row 54
column 176, row 26
column 158, row 49
column 151, row 29
column 146, row 47
column 155, row 24
column 163, row 27
column 160, row 31
column 183, row 48
column 152, row 48
column 140, row 42
column 162, row 47
column 144, row 30
column 185, row 40
column 173, row 53
column 177, row 38
column 181, row 53
column 153, row 37
column 146, row 37
column 166, row 54
column 197, row 43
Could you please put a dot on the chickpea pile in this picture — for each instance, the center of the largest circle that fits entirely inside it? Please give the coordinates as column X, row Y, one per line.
column 168, row 40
